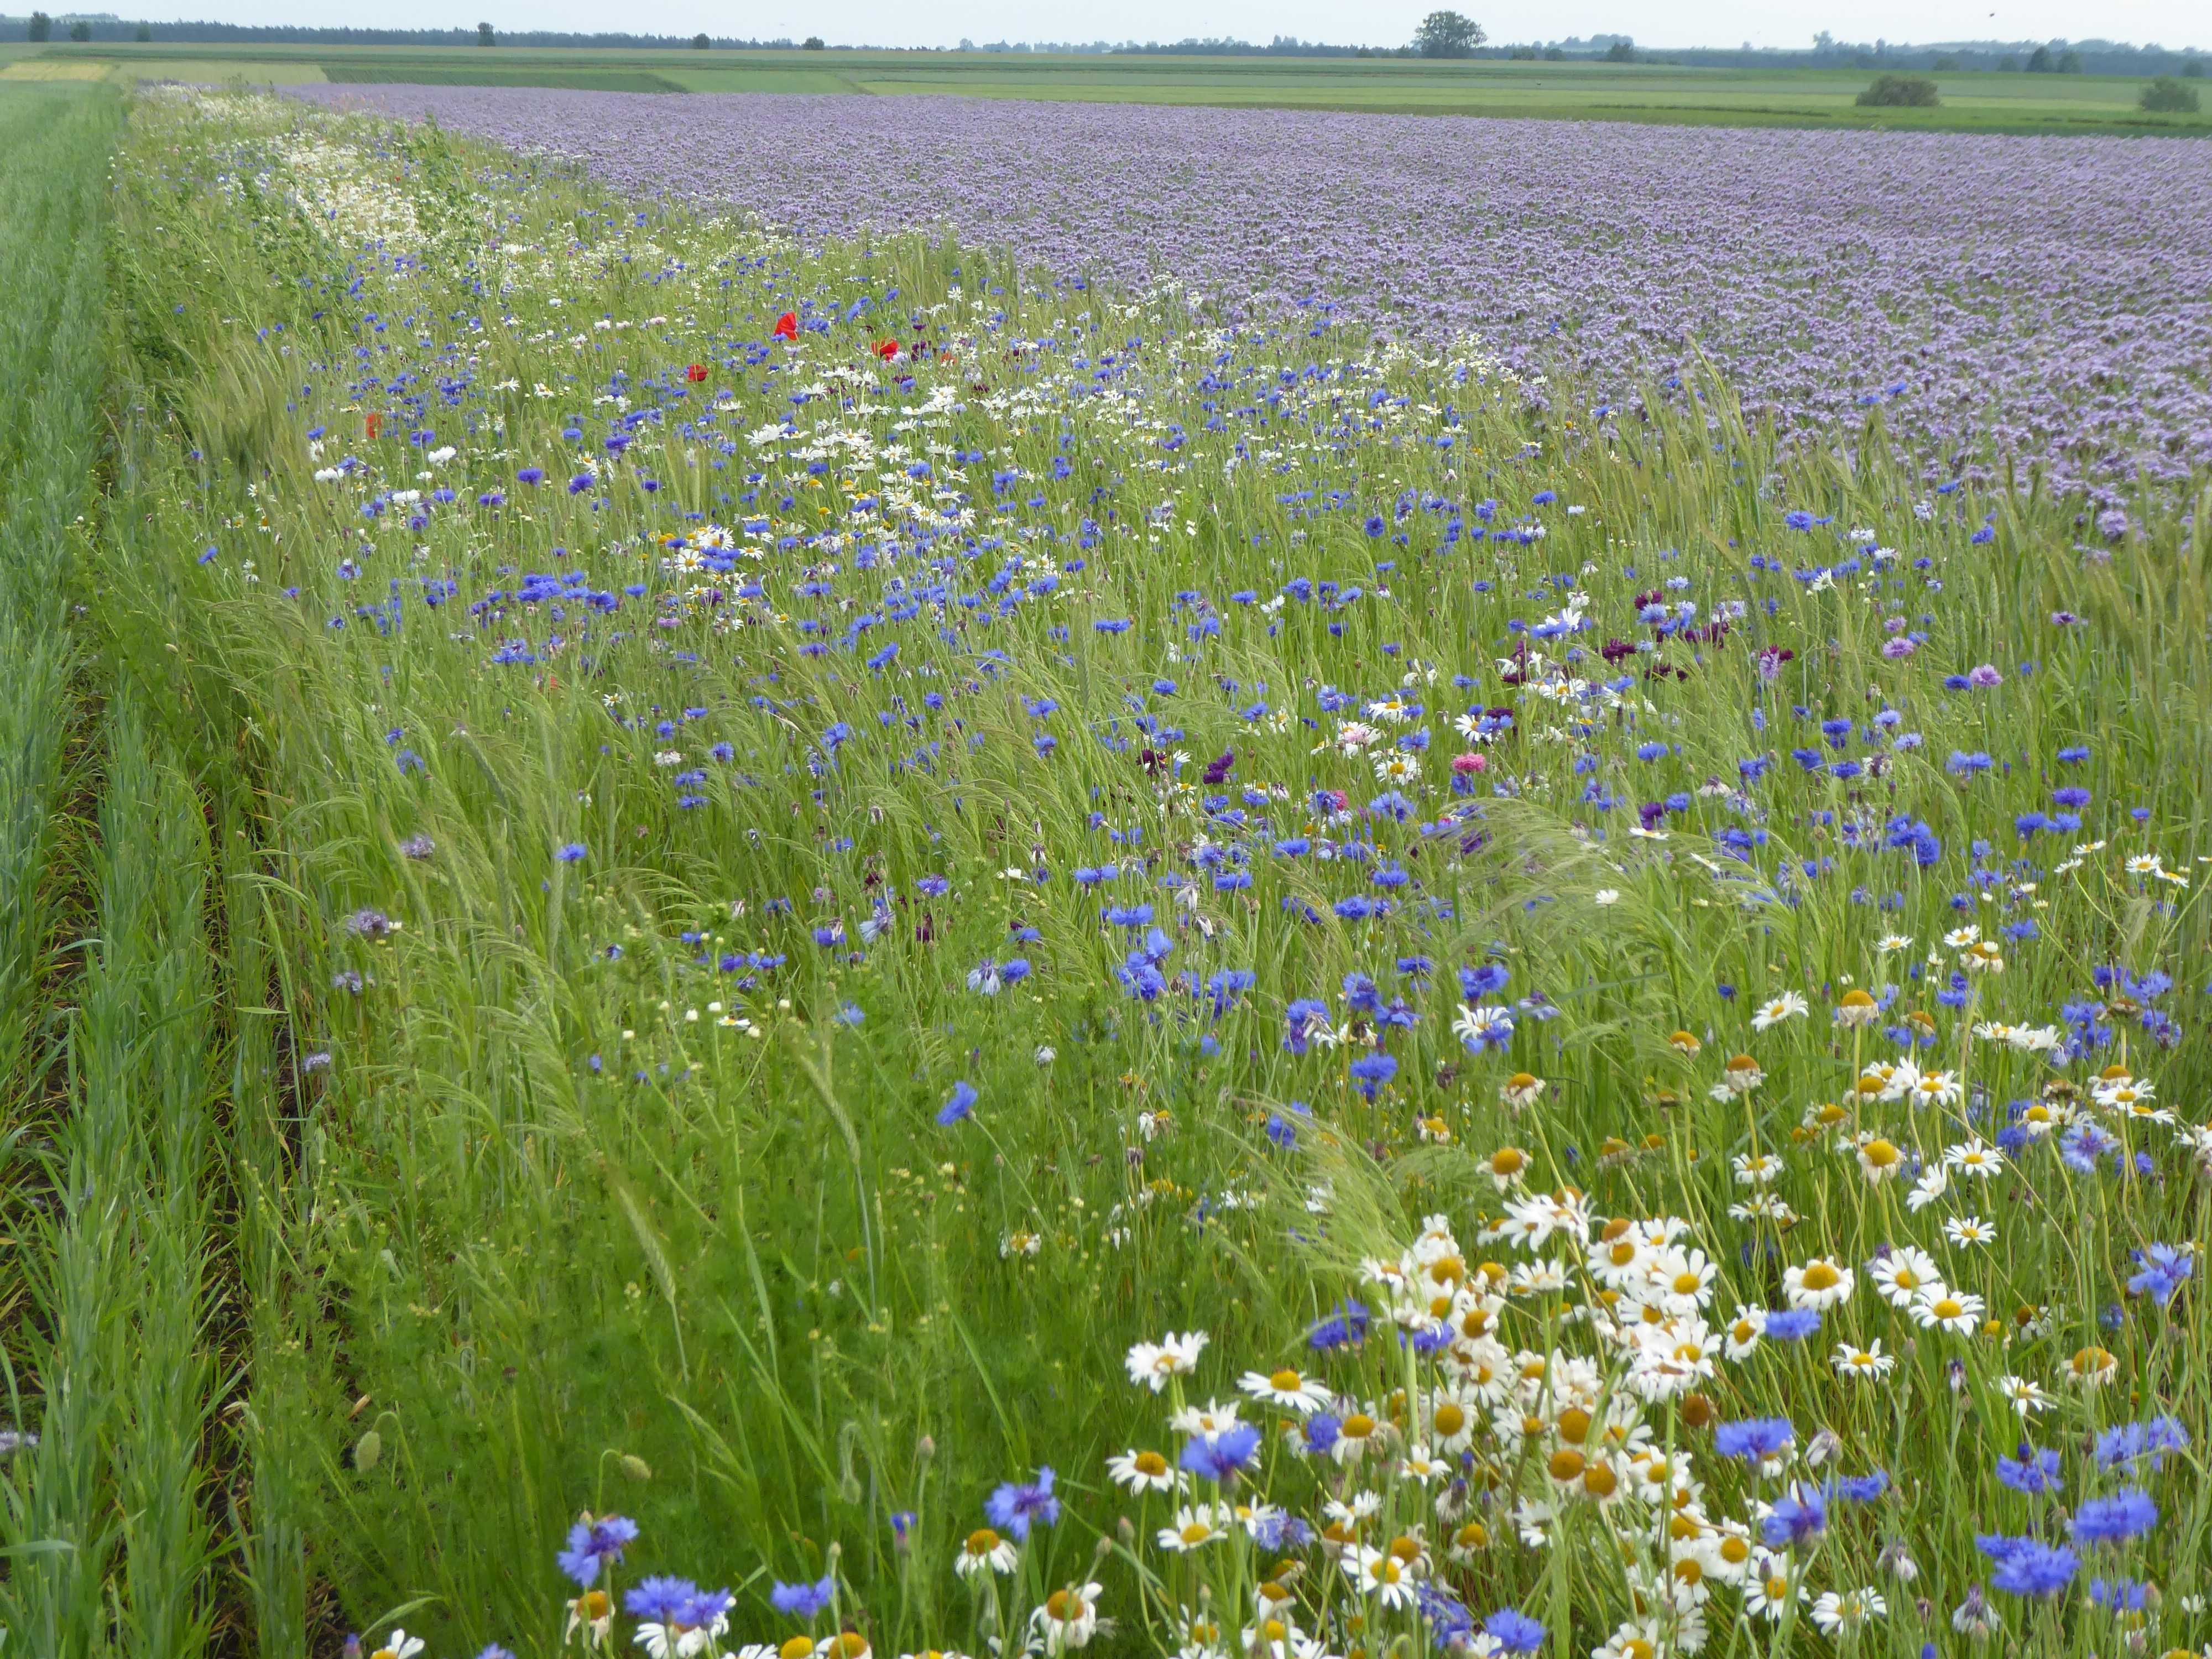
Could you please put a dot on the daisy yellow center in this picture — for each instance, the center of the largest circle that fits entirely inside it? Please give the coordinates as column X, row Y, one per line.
column 1510, row 1161
column 1574, row 1425
column 1567, row 1464
column 1688, row 1283
column 1150, row 1463
column 1600, row 1481
column 1196, row 1532
column 1820, row 1277
column 1286, row 1382
column 1358, row 1426
column 1405, row 1549
column 1449, row 1419
column 1066, row 1606
column 850, row 1645
column 982, row 1541
column 799, row 1647
column 1881, row 1154
column 1948, row 1308
column 593, row 1604
column 1520, row 1082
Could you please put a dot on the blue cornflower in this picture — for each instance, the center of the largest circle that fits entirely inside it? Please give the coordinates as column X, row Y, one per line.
column 1792, row 1324
column 2027, row 1566
column 959, row 1106
column 1515, row 1631
column 2118, row 1595
column 1014, row 1507
column 1322, row 1431
column 1755, row 1440
column 1860, row 1489
column 1220, row 1457
column 2112, row 1520
column 1449, row 1622
column 2082, row 1145
column 2166, row 1267
column 1799, row 1516
column 1346, row 1328
column 1371, row 1072
column 1487, row 980
column 658, row 1599
column 593, row 1546
column 573, row 853
column 2130, row 1443
column 794, row 1601
column 2032, row 1473
column 704, row 1610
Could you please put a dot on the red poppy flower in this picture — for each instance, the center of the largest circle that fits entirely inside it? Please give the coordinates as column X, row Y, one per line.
column 696, row 374
column 887, row 349
column 376, row 425
column 786, row 326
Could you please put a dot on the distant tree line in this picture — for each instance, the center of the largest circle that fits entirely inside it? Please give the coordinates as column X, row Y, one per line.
column 109, row 28
column 1442, row 34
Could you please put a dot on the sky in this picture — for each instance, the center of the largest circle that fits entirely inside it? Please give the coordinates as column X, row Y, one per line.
column 1659, row 23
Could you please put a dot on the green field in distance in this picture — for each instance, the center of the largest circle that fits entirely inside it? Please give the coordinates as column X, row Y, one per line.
column 1585, row 90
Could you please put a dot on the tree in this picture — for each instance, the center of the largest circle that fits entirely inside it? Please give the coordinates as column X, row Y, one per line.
column 485, row 37
column 1448, row 34
column 812, row 43
column 144, row 33
column 1899, row 92
column 701, row 43
column 42, row 26
column 2168, row 96
column 1620, row 51
column 2039, row 61
column 79, row 31
column 2069, row 62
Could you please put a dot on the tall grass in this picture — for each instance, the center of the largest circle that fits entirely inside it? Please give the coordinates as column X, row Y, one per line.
column 534, row 1225
column 51, row 207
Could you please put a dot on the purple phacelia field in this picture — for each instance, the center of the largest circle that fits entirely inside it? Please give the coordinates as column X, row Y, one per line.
column 2044, row 298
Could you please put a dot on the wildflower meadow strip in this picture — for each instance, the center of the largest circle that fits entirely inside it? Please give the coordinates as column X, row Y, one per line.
column 986, row 964
column 2039, row 298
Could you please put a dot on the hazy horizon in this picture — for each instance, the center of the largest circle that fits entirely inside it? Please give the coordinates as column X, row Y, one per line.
column 1672, row 24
